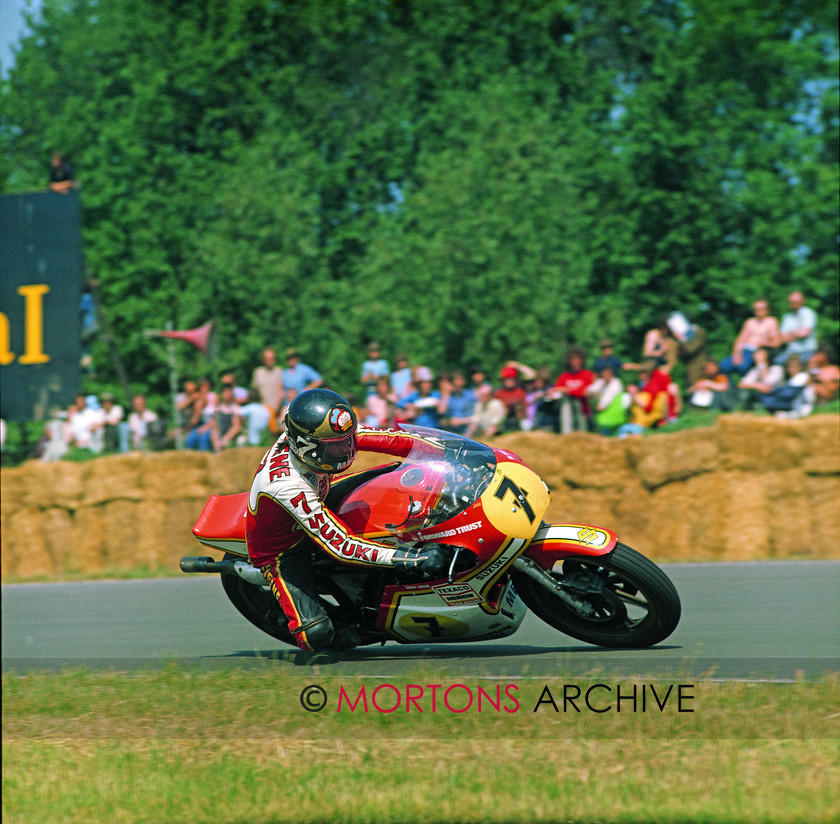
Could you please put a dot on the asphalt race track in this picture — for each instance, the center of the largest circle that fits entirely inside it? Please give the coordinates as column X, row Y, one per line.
column 762, row 620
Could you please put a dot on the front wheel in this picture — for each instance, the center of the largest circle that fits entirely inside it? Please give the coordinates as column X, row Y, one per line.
column 626, row 600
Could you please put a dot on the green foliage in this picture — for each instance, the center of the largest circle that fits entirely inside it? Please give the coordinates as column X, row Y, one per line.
column 21, row 442
column 463, row 181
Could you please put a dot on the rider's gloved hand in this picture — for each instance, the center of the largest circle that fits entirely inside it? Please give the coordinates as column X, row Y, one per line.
column 426, row 562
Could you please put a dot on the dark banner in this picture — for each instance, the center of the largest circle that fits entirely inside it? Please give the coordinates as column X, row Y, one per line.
column 40, row 290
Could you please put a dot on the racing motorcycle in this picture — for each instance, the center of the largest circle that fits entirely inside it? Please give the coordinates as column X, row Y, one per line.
column 482, row 507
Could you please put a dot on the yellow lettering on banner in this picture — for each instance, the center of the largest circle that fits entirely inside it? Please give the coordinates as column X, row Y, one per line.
column 34, row 323
column 6, row 354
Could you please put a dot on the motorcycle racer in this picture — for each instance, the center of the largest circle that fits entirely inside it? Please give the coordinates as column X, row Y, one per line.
column 287, row 513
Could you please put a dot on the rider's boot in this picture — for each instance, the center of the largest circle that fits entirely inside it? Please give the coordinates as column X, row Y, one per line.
column 345, row 637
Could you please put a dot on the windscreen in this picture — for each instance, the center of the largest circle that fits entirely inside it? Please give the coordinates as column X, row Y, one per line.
column 464, row 468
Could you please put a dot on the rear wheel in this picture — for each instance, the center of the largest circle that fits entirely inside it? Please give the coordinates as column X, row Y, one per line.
column 626, row 600
column 257, row 604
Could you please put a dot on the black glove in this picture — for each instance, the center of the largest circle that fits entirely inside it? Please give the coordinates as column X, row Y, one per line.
column 424, row 562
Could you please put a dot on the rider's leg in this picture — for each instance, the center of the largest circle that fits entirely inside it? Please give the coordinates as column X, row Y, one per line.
column 293, row 584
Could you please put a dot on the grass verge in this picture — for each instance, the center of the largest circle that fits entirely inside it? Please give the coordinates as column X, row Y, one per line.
column 191, row 744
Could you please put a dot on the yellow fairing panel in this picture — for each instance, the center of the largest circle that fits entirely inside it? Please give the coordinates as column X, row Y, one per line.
column 515, row 501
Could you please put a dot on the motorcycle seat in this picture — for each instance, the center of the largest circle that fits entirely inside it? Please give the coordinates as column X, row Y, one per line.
column 222, row 519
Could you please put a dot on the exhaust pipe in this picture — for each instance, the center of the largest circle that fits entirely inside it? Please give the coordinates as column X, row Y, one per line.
column 247, row 572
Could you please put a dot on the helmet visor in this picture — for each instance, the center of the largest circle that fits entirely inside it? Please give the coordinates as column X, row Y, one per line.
column 336, row 454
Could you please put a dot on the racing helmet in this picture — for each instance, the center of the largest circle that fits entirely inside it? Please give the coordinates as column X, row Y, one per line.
column 321, row 430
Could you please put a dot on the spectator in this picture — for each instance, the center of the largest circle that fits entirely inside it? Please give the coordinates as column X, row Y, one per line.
column 488, row 413
column 106, row 431
column 62, row 179
column 138, row 423
column 649, row 400
column 297, row 376
column 607, row 397
column 268, row 381
column 57, row 435
column 240, row 393
column 798, row 330
column 478, row 377
column 257, row 417
column 569, row 390
column 691, row 346
column 538, row 413
column 760, row 380
column 84, row 417
column 460, row 403
column 207, row 397
column 762, row 329
column 825, row 377
column 201, row 435
column 659, row 346
column 713, row 390
column 607, row 358
column 424, row 406
column 512, row 394
column 402, row 379
column 795, row 397
column 188, row 406
column 373, row 368
column 379, row 407
column 226, row 422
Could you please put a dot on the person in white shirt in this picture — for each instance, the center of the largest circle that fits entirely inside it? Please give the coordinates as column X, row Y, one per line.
column 257, row 417
column 798, row 330
column 106, row 433
column 138, row 423
column 84, row 419
column 760, row 380
column 795, row 397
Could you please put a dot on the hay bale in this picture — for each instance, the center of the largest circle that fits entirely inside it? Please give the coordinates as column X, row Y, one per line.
column 115, row 477
column 759, row 444
column 671, row 457
column 183, row 474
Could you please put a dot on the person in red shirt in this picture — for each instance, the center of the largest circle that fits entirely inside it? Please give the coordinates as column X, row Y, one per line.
column 654, row 381
column 574, row 413
column 512, row 395
column 652, row 400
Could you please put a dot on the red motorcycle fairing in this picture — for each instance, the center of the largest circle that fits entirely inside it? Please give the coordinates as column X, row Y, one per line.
column 491, row 512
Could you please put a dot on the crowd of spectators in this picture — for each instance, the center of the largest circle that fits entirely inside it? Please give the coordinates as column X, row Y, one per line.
column 772, row 365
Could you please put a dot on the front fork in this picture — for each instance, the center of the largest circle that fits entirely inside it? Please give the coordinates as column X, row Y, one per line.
column 555, row 542
column 564, row 591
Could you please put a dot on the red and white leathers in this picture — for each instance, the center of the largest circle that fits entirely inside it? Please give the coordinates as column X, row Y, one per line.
column 286, row 512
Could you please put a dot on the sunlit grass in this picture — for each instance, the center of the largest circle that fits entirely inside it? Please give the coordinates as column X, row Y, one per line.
column 177, row 744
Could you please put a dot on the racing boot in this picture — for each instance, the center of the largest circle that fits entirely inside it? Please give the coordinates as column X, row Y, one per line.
column 345, row 637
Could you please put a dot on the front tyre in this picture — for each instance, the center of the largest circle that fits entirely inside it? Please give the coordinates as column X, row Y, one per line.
column 257, row 604
column 627, row 601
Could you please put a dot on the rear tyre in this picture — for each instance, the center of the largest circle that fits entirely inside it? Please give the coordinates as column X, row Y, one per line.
column 633, row 603
column 257, row 604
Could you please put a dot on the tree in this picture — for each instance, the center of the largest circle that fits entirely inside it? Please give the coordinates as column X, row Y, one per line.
column 467, row 181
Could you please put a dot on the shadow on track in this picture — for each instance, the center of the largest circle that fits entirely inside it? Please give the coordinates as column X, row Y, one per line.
column 438, row 653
